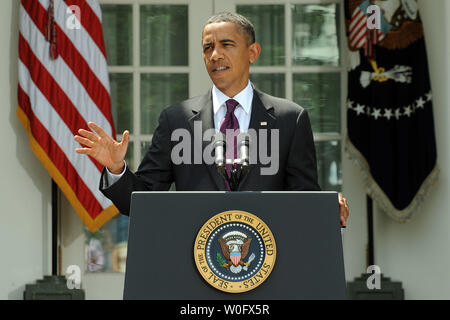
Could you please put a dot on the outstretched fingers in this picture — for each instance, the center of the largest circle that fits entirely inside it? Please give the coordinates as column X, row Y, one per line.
column 102, row 147
column 84, row 141
column 102, row 133
column 86, row 151
column 89, row 135
column 125, row 138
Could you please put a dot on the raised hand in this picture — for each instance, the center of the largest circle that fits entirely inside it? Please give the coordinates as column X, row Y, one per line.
column 103, row 148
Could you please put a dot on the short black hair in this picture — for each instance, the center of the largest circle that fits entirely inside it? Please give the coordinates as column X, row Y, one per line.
column 244, row 25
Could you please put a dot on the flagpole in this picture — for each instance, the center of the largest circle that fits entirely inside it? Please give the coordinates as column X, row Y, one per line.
column 370, row 243
column 54, row 228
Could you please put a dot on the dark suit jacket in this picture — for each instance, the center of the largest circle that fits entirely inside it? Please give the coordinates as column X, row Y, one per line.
column 297, row 156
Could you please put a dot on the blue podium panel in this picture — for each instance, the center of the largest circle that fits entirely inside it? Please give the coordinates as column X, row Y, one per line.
column 164, row 225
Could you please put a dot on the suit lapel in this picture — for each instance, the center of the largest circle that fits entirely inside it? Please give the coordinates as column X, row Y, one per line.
column 203, row 112
column 262, row 117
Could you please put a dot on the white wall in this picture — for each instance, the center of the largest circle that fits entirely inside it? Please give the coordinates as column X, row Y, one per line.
column 24, row 184
column 415, row 253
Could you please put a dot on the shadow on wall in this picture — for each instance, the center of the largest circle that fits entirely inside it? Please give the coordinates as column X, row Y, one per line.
column 16, row 294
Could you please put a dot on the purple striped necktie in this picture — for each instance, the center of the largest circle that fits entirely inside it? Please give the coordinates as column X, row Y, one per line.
column 230, row 123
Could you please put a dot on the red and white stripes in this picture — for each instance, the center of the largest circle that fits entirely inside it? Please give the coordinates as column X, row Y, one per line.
column 359, row 35
column 358, row 28
column 58, row 96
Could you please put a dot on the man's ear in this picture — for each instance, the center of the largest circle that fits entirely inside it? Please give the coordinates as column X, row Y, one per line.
column 255, row 51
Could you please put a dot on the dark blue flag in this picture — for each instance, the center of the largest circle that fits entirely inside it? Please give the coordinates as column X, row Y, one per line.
column 389, row 106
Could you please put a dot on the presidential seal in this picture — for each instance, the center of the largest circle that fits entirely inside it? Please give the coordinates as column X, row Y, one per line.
column 235, row 251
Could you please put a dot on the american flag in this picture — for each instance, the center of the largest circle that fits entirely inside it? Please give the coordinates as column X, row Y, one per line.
column 362, row 37
column 63, row 84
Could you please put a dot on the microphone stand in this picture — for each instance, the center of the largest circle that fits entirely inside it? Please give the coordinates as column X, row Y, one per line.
column 236, row 174
column 239, row 166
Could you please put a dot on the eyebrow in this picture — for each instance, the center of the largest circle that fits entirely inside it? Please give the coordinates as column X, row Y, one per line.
column 221, row 41
column 227, row 40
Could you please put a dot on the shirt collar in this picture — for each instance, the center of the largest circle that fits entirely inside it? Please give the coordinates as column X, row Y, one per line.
column 244, row 98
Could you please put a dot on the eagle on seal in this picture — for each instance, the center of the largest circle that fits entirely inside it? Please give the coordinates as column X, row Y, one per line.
column 235, row 246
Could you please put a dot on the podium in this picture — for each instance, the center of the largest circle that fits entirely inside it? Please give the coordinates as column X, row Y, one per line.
column 164, row 228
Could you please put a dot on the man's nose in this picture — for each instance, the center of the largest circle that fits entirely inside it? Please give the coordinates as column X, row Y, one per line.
column 216, row 54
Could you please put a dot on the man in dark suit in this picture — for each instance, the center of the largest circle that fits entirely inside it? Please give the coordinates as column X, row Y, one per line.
column 229, row 47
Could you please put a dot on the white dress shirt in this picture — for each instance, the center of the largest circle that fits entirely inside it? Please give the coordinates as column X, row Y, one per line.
column 243, row 109
column 242, row 112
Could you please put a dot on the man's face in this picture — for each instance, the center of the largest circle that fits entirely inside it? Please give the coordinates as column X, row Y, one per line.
column 227, row 56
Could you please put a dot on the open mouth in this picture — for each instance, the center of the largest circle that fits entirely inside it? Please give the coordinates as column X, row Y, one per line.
column 219, row 69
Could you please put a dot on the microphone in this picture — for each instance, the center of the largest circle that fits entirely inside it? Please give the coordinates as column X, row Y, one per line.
column 243, row 143
column 218, row 141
